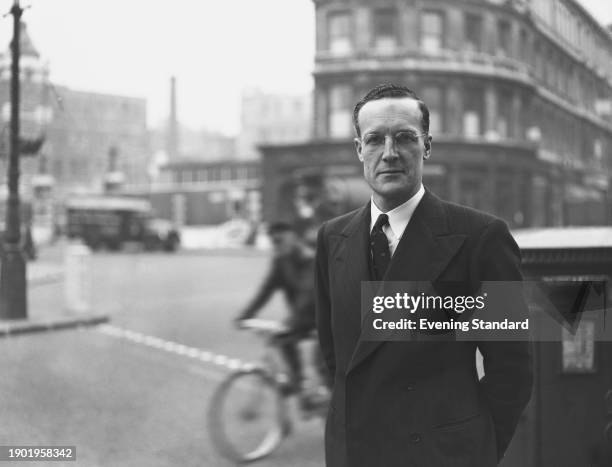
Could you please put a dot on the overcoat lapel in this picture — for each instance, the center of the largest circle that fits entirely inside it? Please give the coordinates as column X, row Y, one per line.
column 351, row 261
column 422, row 254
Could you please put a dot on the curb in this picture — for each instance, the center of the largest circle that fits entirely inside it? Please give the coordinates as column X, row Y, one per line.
column 13, row 328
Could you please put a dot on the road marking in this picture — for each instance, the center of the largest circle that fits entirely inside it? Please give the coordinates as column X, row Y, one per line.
column 203, row 355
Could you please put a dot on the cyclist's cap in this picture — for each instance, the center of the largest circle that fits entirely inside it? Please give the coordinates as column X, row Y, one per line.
column 279, row 227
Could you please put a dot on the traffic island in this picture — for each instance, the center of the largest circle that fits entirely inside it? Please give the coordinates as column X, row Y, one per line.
column 59, row 296
column 17, row 327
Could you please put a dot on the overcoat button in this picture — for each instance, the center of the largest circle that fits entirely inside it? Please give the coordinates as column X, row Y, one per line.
column 415, row 438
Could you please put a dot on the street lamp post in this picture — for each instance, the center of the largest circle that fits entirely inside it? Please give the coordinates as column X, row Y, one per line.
column 13, row 301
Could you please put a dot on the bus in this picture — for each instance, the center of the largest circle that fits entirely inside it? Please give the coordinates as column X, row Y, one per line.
column 111, row 221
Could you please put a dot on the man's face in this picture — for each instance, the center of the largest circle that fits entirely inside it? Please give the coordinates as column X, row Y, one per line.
column 392, row 148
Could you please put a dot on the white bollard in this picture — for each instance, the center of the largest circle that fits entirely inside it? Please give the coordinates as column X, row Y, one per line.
column 77, row 284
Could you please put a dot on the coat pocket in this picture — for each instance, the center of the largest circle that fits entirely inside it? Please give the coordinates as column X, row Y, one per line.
column 456, row 424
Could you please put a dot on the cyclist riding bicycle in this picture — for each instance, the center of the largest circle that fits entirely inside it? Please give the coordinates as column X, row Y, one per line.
column 292, row 271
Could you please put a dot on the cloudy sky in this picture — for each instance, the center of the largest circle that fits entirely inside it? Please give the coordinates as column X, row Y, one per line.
column 215, row 49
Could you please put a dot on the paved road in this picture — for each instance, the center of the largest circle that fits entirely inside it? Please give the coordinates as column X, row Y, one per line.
column 124, row 398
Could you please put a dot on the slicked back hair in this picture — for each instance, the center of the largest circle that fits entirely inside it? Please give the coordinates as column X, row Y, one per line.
column 390, row 90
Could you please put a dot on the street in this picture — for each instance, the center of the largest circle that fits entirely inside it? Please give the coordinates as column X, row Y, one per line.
column 135, row 391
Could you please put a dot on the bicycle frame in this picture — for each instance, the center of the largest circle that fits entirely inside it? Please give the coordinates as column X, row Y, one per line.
column 272, row 360
column 271, row 375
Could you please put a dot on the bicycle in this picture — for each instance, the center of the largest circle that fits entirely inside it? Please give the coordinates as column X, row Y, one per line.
column 249, row 412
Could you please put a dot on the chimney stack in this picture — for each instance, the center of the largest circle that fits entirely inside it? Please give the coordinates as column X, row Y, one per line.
column 172, row 141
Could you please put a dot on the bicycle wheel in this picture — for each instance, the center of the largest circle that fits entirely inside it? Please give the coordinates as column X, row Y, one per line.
column 247, row 416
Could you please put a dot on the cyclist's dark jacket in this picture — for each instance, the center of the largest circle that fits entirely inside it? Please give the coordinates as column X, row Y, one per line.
column 293, row 273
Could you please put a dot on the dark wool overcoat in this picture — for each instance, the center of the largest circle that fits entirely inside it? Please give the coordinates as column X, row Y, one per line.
column 418, row 403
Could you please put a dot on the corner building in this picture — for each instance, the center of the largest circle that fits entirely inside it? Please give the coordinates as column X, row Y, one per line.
column 520, row 94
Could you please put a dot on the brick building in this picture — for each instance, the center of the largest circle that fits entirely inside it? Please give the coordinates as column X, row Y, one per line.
column 520, row 97
column 93, row 134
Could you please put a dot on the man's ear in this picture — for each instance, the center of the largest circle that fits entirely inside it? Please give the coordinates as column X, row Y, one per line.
column 428, row 146
column 357, row 142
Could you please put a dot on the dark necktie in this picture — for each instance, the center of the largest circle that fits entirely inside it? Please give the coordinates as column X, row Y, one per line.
column 380, row 247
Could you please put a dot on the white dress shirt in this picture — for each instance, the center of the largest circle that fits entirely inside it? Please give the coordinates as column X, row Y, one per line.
column 398, row 218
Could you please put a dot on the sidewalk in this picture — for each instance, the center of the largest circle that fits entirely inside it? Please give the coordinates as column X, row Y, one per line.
column 46, row 304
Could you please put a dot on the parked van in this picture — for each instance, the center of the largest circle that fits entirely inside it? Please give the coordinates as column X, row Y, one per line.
column 111, row 221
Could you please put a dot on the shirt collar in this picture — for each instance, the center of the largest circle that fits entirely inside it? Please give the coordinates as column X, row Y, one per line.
column 400, row 215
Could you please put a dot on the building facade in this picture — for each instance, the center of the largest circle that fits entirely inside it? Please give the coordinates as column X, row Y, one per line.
column 91, row 136
column 90, row 139
column 200, row 192
column 520, row 94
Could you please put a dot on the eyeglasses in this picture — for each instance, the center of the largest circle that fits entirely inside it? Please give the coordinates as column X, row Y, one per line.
column 401, row 139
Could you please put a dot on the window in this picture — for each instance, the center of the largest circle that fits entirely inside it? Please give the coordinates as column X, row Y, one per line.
column 524, row 47
column 472, row 192
column 340, row 33
column 538, row 58
column 504, row 192
column 598, row 151
column 432, row 96
column 564, row 78
column 432, row 39
column 551, row 72
column 572, row 83
column 504, row 38
column 241, row 173
column 504, row 115
column 385, row 29
column 473, row 32
column 340, row 114
column 473, row 106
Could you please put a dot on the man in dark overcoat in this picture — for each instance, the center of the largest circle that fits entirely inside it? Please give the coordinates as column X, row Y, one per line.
column 417, row 403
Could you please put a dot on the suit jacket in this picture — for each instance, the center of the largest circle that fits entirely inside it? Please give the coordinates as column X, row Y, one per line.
column 420, row 403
